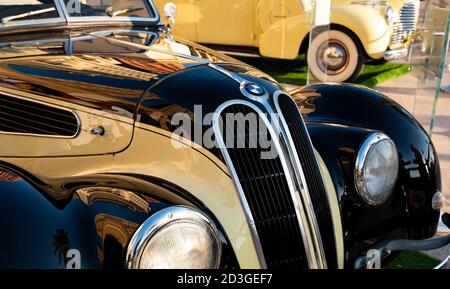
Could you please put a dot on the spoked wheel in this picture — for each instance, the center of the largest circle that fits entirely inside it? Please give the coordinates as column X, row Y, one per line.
column 335, row 57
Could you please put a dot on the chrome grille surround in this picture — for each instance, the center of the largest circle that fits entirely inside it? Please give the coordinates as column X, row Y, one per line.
column 309, row 228
column 304, row 211
column 405, row 23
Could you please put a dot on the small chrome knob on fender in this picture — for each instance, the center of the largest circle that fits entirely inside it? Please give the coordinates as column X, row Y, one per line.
column 96, row 130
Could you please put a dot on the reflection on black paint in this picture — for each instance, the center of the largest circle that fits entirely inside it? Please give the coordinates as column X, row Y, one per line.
column 61, row 245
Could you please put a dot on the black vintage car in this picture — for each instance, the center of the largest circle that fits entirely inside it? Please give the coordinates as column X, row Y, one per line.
column 117, row 151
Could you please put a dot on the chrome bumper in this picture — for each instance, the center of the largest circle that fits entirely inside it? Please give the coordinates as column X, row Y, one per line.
column 373, row 256
column 396, row 54
column 401, row 245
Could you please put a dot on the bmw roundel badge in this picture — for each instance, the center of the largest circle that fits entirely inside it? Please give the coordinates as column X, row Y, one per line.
column 254, row 89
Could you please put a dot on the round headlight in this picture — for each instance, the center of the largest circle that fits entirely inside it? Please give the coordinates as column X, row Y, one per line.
column 376, row 169
column 175, row 238
column 389, row 14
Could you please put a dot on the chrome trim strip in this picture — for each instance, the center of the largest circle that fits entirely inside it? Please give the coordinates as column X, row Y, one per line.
column 365, row 148
column 157, row 221
column 312, row 220
column 297, row 205
column 107, row 19
column 62, row 9
column 49, row 105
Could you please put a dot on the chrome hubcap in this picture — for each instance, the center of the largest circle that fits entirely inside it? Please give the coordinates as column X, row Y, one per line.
column 332, row 57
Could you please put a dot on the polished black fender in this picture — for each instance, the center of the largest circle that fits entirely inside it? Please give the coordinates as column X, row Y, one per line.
column 339, row 118
column 42, row 221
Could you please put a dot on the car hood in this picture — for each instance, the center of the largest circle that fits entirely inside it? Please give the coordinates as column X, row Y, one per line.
column 108, row 70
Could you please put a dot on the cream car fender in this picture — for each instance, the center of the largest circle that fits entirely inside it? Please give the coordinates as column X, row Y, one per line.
column 360, row 20
column 283, row 39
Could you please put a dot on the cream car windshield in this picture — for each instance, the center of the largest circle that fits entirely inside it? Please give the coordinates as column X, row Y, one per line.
column 109, row 8
column 20, row 10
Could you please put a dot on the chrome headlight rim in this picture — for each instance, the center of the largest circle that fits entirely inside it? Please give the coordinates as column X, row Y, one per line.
column 360, row 184
column 158, row 221
column 389, row 14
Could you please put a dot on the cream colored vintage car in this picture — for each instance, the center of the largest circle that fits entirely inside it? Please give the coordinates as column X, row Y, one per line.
column 360, row 30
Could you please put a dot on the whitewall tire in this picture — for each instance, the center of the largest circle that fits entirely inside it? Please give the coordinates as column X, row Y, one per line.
column 333, row 56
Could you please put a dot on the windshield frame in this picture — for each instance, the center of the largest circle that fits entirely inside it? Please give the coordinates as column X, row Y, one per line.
column 65, row 19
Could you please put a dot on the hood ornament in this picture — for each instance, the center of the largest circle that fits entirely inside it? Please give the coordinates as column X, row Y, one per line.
column 170, row 12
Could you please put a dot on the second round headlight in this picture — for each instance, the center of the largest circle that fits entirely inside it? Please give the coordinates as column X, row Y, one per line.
column 376, row 169
column 175, row 238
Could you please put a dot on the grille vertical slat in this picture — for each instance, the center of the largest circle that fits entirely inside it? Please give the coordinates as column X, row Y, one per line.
column 28, row 117
column 313, row 176
column 262, row 187
column 267, row 193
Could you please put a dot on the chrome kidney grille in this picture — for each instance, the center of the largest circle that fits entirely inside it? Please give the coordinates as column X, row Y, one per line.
column 406, row 23
column 266, row 191
column 284, row 197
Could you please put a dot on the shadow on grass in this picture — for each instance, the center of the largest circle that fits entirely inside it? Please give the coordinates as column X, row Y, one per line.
column 296, row 71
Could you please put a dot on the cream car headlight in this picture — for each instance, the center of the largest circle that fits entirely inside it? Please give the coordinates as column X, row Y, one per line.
column 376, row 169
column 175, row 238
column 389, row 14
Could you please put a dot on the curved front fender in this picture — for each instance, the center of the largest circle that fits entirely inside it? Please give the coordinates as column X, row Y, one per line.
column 339, row 118
column 368, row 24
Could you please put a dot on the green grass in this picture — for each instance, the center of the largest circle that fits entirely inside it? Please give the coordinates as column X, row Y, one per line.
column 296, row 71
column 412, row 260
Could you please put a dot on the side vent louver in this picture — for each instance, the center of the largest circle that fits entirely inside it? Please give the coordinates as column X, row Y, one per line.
column 20, row 116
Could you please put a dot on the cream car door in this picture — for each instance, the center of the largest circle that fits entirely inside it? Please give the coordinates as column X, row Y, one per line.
column 230, row 22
